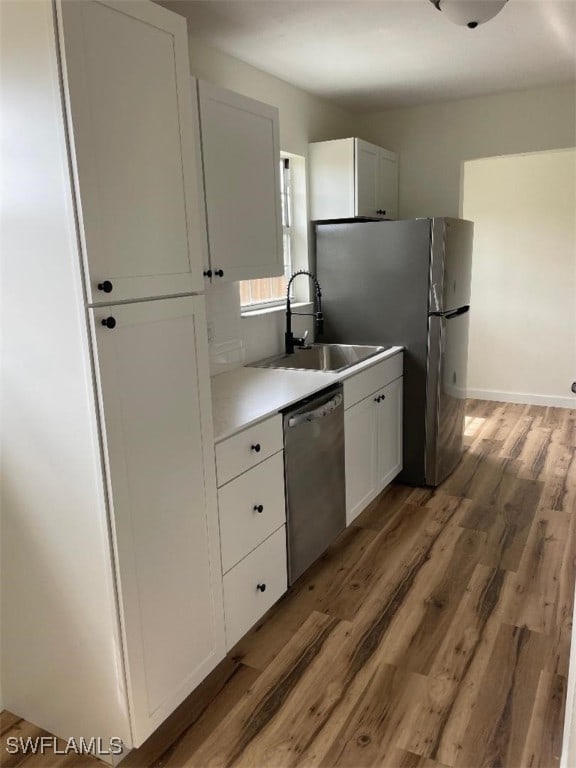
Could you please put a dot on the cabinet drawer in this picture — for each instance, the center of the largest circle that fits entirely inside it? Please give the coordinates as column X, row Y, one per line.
column 251, row 507
column 248, row 448
column 244, row 601
column 361, row 385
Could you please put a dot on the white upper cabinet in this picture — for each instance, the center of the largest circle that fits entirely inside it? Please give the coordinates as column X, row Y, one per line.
column 387, row 202
column 350, row 178
column 134, row 143
column 156, row 414
column 366, row 176
column 241, row 158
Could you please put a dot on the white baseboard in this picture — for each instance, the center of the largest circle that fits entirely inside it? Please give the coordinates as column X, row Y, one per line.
column 523, row 397
column 568, row 757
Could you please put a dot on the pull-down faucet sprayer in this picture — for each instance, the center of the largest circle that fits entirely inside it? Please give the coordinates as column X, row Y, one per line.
column 289, row 340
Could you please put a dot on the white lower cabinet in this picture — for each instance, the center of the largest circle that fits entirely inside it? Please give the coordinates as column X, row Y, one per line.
column 251, row 507
column 252, row 513
column 389, row 433
column 361, row 446
column 158, row 451
column 373, row 439
column 254, row 585
column 248, row 448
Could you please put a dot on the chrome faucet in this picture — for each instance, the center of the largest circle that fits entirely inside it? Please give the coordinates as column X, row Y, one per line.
column 290, row 341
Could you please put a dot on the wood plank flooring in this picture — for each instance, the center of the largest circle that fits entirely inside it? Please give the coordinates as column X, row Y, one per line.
column 434, row 633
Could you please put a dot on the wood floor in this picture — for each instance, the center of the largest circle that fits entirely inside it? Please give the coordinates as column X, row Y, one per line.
column 435, row 632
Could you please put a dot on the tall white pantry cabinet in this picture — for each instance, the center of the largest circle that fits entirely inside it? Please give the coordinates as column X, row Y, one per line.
column 112, row 606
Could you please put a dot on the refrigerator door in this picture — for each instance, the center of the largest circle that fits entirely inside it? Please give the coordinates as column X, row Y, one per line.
column 451, row 264
column 375, row 284
column 446, row 393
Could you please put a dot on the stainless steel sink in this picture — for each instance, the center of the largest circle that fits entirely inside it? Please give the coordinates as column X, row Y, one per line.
column 321, row 357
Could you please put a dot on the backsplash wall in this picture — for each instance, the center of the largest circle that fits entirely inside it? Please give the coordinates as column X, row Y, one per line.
column 235, row 340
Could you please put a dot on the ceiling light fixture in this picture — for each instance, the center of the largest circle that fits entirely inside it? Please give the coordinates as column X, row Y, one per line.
column 469, row 13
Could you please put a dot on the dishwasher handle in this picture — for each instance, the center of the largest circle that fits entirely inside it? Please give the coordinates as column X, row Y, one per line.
column 318, row 413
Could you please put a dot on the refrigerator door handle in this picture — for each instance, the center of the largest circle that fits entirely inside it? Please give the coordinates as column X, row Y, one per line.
column 452, row 313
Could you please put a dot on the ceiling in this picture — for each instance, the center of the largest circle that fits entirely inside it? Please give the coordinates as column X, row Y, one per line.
column 375, row 55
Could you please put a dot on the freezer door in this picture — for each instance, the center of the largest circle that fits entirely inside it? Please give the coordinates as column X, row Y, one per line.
column 451, row 264
column 446, row 393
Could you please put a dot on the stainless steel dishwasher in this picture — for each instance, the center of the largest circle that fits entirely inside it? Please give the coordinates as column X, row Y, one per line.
column 314, row 471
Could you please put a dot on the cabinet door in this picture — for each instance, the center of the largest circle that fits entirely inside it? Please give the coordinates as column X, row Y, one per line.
column 389, row 429
column 254, row 585
column 366, row 181
column 155, row 405
column 134, row 148
column 241, row 157
column 387, row 206
column 332, row 179
column 360, row 429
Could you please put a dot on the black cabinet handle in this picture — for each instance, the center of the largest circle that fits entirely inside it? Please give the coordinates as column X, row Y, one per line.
column 106, row 286
column 258, row 508
column 379, row 398
column 256, row 447
column 261, row 587
column 207, row 273
column 109, row 322
column 376, row 399
column 381, row 212
column 219, row 273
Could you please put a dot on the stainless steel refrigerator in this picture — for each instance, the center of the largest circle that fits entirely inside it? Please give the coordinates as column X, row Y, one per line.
column 407, row 282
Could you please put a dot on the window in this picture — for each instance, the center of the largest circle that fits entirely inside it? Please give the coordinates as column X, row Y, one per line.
column 268, row 291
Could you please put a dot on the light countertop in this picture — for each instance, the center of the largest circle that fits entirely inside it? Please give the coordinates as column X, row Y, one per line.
column 244, row 396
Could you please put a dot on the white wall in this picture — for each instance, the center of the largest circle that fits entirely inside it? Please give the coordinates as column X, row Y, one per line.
column 303, row 118
column 433, row 141
column 523, row 319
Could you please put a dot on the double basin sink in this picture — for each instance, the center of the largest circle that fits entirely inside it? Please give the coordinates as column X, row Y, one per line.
column 321, row 357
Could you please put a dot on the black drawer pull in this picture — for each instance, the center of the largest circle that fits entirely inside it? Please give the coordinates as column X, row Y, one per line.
column 219, row 273
column 109, row 322
column 256, row 447
column 258, row 508
column 207, row 273
column 106, row 286
column 261, row 587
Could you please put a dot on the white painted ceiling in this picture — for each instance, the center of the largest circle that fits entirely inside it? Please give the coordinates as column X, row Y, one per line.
column 374, row 55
